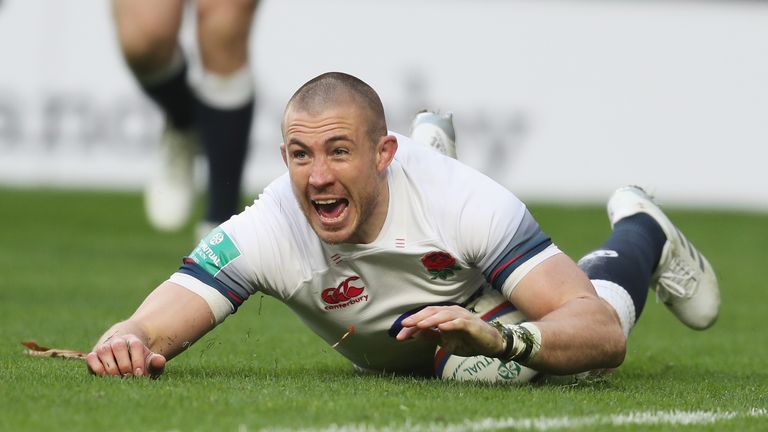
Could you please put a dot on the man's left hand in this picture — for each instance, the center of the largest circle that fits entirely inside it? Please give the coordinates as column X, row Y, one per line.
column 457, row 330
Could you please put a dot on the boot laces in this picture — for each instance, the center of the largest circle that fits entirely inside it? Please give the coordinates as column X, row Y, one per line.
column 678, row 281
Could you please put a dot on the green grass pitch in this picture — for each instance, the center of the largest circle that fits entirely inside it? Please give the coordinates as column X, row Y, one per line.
column 72, row 263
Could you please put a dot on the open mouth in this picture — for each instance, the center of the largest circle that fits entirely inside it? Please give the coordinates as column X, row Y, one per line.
column 331, row 210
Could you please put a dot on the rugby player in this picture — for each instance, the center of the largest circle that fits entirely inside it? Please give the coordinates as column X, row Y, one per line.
column 372, row 230
column 214, row 112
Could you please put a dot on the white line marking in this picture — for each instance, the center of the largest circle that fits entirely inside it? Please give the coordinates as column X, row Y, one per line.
column 635, row 418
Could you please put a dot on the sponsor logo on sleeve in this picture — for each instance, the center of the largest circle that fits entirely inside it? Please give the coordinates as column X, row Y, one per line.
column 345, row 294
column 215, row 251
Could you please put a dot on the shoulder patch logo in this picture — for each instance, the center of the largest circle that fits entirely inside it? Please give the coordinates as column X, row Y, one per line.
column 344, row 295
column 216, row 239
column 215, row 251
column 440, row 265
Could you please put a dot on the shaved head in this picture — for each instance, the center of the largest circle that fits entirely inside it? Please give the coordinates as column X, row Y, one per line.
column 334, row 89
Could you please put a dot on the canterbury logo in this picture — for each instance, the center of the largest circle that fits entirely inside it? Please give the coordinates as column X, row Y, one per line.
column 344, row 295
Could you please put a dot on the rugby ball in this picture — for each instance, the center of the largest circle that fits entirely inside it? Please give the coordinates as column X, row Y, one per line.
column 491, row 305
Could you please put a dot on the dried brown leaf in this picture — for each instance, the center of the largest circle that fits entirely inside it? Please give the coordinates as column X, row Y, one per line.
column 40, row 351
column 350, row 332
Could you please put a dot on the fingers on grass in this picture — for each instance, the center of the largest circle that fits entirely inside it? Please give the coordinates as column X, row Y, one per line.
column 136, row 350
column 122, row 356
column 155, row 365
column 107, row 359
column 94, row 364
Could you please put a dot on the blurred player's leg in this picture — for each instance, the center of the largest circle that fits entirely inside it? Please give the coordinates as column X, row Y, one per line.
column 225, row 101
column 147, row 31
column 436, row 131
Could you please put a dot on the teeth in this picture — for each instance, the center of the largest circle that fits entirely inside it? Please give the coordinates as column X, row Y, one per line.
column 333, row 220
column 328, row 201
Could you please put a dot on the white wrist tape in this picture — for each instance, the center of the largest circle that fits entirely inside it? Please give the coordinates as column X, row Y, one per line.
column 521, row 341
column 535, row 340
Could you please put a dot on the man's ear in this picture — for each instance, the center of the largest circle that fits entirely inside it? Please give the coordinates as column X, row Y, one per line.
column 385, row 152
column 284, row 154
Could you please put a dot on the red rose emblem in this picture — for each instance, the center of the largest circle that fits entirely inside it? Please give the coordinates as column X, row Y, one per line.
column 440, row 264
column 438, row 261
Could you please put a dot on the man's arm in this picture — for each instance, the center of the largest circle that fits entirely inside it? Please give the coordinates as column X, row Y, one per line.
column 579, row 331
column 169, row 320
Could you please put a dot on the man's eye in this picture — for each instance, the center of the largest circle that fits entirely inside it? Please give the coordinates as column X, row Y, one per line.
column 340, row 152
column 299, row 154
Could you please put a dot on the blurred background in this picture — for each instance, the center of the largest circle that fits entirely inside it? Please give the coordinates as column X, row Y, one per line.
column 557, row 100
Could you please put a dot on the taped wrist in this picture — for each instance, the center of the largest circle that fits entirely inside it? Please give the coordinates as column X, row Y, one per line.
column 521, row 341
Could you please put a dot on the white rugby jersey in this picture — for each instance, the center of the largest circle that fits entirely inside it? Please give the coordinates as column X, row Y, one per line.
column 449, row 231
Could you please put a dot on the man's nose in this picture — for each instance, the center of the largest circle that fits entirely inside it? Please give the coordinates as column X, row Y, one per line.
column 321, row 174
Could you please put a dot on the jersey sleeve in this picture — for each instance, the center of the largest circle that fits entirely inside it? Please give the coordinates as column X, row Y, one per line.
column 484, row 222
column 503, row 239
column 523, row 248
column 251, row 252
column 217, row 270
column 214, row 263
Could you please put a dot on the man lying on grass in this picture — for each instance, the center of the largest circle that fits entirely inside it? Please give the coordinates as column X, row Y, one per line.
column 374, row 232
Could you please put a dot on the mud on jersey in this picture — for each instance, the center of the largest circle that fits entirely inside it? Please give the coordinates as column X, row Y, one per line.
column 449, row 231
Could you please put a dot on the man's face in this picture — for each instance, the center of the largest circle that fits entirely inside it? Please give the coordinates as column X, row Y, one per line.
column 338, row 175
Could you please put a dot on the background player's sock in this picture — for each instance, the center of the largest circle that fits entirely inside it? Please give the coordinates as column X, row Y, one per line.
column 170, row 89
column 224, row 112
column 628, row 258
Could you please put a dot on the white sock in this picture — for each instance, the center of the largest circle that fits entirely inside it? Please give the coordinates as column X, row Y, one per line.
column 619, row 298
column 227, row 92
column 173, row 67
